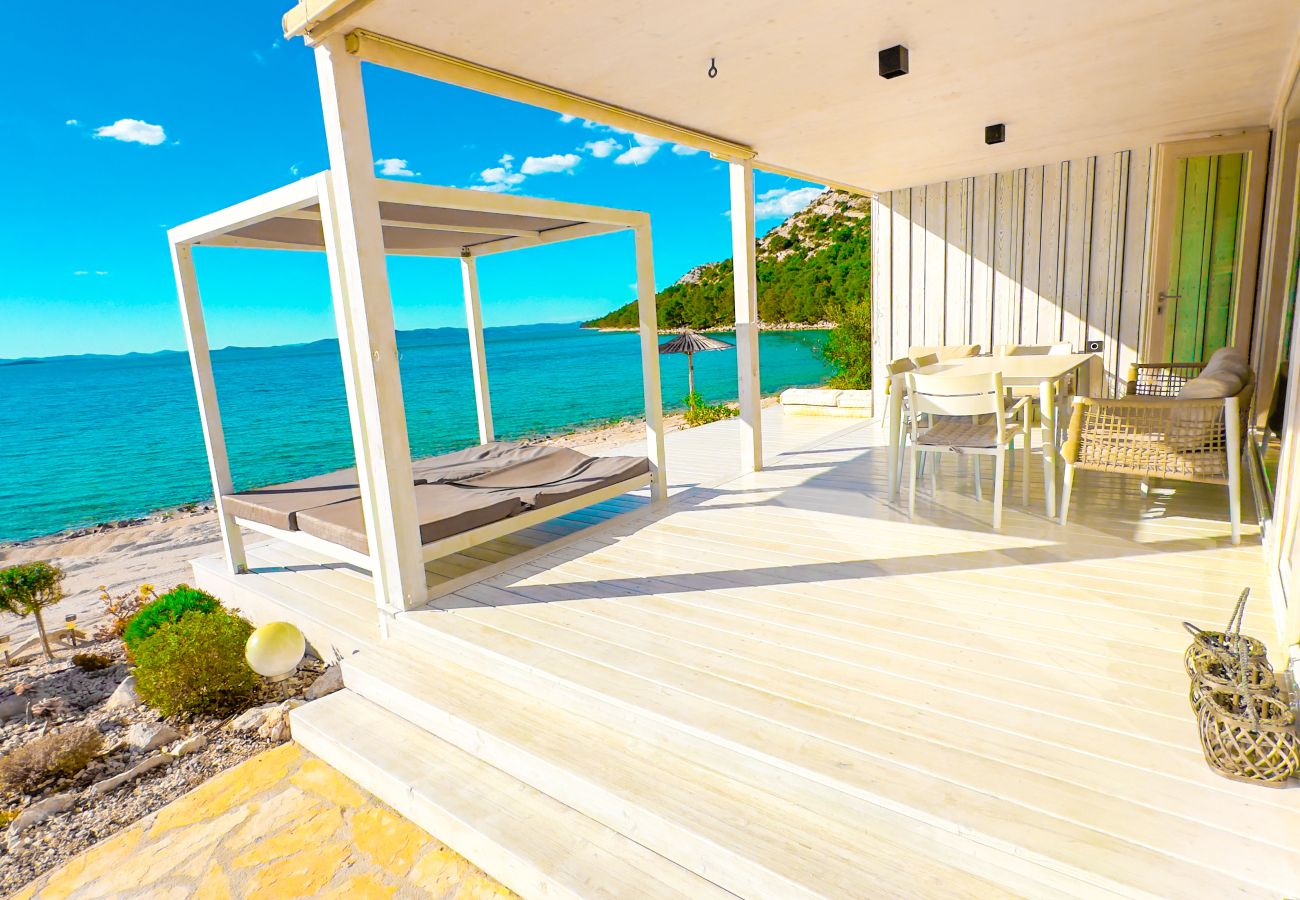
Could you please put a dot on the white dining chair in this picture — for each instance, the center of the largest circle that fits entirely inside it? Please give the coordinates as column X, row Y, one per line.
column 969, row 415
column 1063, row 396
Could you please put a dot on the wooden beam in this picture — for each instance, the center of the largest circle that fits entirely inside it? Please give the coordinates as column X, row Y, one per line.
column 398, row 571
column 395, row 54
column 286, row 198
column 746, row 289
column 416, row 193
column 309, row 216
column 550, row 236
column 648, row 322
column 477, row 354
column 205, row 389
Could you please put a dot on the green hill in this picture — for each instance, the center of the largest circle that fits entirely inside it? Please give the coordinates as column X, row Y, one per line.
column 810, row 268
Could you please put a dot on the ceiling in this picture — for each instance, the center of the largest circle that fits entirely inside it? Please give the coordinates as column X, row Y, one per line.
column 797, row 81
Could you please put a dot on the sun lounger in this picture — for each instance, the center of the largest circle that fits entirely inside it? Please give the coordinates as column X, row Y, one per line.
column 455, row 493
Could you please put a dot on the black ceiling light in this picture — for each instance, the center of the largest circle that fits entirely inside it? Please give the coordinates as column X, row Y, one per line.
column 893, row 61
column 995, row 134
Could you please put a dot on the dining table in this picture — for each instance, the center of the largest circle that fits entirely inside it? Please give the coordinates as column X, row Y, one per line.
column 1044, row 373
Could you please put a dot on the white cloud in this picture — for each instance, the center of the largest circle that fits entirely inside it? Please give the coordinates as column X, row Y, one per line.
column 683, row 150
column 72, row 122
column 133, row 131
column 394, row 168
column 294, row 170
column 566, row 118
column 603, row 148
column 556, row 162
column 83, row 272
column 640, row 153
column 501, row 177
column 781, row 203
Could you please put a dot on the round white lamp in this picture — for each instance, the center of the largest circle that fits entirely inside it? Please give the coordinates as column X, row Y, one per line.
column 274, row 650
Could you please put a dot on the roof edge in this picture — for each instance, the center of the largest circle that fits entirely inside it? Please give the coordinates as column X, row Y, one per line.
column 312, row 19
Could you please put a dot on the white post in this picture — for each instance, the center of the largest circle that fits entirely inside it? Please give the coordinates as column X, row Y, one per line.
column 351, row 371
column 205, row 388
column 746, row 283
column 477, row 355
column 386, row 465
column 648, row 321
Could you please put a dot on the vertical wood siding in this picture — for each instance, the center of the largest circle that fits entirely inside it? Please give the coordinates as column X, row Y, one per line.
column 1031, row 256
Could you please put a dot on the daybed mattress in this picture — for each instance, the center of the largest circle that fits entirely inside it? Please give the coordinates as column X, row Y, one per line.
column 454, row 492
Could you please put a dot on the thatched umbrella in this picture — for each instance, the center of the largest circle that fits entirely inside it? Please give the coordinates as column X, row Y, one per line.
column 690, row 343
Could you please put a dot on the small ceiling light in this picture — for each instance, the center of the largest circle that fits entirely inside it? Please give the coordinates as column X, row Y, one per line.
column 995, row 134
column 893, row 61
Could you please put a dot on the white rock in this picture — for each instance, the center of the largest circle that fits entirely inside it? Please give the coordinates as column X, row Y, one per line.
column 109, row 784
column 145, row 736
column 125, row 697
column 253, row 719
column 327, row 682
column 39, row 812
column 192, row 744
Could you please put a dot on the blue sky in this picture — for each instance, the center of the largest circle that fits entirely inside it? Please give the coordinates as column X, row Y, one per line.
column 136, row 120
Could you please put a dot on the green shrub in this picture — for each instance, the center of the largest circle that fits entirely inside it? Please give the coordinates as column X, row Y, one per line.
column 848, row 347
column 196, row 665
column 170, row 607
column 700, row 413
column 57, row 754
column 28, row 588
column 92, row 662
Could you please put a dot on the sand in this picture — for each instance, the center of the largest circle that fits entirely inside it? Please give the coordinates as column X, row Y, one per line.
column 157, row 549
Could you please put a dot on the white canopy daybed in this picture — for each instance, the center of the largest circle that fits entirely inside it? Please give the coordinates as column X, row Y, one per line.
column 389, row 515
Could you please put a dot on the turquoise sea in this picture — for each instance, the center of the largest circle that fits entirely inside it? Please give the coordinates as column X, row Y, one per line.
column 94, row 439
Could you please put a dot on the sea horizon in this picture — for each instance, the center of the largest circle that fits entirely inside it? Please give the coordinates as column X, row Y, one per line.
column 109, row 437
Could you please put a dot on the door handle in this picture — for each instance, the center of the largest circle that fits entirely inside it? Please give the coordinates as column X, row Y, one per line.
column 1161, row 298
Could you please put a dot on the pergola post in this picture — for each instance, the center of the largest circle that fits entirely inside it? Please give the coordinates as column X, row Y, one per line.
column 205, row 389
column 648, row 322
column 371, row 341
column 746, row 288
column 477, row 354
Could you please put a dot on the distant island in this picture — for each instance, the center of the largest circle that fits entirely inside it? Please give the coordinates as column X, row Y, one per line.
column 811, row 268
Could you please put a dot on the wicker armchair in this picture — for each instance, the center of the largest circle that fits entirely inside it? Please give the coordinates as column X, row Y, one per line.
column 1154, row 433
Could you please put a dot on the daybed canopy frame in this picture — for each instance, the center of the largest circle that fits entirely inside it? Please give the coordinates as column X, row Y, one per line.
column 356, row 218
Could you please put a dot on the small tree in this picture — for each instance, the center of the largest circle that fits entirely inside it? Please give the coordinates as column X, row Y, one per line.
column 28, row 588
column 848, row 347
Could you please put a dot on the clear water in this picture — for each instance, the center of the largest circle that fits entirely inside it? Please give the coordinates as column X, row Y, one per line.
column 86, row 440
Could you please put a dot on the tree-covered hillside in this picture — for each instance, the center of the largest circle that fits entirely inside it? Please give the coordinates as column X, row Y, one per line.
column 810, row 268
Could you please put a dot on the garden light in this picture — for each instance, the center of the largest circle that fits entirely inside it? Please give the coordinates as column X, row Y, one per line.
column 274, row 650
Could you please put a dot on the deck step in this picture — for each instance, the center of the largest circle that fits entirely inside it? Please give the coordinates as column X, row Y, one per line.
column 526, row 840
column 753, row 829
column 957, row 822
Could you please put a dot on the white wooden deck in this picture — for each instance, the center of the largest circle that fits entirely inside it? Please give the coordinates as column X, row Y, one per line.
column 781, row 686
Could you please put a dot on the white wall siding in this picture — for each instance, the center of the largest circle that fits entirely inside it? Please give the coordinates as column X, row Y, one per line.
column 1049, row 253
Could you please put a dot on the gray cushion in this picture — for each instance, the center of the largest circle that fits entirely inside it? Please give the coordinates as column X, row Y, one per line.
column 442, row 510
column 557, row 474
column 477, row 460
column 278, row 505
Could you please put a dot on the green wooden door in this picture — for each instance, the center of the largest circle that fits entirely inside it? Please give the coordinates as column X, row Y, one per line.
column 1204, row 256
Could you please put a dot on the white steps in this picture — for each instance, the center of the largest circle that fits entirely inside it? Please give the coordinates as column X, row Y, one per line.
column 945, row 820
column 536, row 845
column 748, row 827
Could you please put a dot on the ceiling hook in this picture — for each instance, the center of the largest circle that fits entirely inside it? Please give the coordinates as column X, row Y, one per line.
column 713, row 67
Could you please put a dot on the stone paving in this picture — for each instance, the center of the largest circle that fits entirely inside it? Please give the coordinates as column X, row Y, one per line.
column 282, row 824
